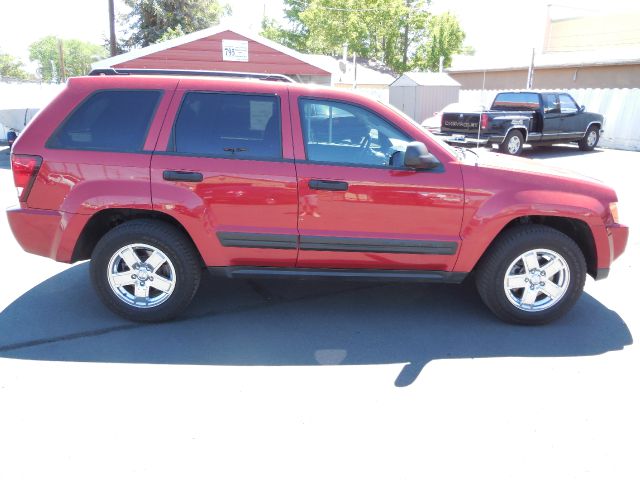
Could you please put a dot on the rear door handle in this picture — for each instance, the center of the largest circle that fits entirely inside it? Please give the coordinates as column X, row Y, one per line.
column 180, row 176
column 328, row 185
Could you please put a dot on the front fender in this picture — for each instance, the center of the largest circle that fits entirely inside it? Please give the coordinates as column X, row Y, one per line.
column 485, row 217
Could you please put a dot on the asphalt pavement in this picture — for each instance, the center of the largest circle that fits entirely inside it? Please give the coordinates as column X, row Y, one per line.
column 319, row 379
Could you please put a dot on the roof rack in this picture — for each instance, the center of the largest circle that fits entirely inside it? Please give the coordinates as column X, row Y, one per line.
column 274, row 77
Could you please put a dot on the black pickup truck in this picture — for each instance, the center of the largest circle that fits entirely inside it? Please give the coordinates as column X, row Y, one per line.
column 516, row 118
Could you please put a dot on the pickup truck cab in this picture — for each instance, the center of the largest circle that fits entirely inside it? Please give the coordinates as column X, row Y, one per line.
column 158, row 176
column 516, row 118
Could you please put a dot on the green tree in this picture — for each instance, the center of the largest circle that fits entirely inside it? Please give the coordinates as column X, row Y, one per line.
column 297, row 34
column 446, row 38
column 12, row 67
column 151, row 21
column 384, row 30
column 171, row 33
column 78, row 57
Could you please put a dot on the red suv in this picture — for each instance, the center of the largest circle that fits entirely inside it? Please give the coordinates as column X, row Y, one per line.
column 156, row 176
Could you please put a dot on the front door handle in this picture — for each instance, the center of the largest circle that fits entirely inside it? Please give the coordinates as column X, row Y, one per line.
column 180, row 176
column 328, row 185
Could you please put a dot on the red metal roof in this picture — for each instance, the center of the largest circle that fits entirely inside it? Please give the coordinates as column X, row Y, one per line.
column 206, row 54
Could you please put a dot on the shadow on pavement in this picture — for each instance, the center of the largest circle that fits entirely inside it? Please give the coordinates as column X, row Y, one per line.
column 552, row 152
column 555, row 151
column 234, row 322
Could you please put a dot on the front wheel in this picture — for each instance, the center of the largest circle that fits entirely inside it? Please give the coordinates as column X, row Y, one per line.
column 145, row 271
column 532, row 275
column 512, row 143
column 590, row 139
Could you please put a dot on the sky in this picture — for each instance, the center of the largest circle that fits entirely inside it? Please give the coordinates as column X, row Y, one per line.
column 88, row 20
column 505, row 27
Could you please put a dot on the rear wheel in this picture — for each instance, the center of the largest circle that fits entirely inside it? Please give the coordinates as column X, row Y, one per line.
column 145, row 271
column 532, row 275
column 512, row 143
column 590, row 139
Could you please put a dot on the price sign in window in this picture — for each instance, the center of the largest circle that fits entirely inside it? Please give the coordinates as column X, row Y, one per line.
column 235, row 50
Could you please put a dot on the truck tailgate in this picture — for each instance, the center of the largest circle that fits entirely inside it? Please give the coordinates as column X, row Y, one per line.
column 460, row 122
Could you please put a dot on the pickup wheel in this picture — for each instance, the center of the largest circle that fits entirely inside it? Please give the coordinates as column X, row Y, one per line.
column 145, row 271
column 512, row 143
column 532, row 275
column 590, row 139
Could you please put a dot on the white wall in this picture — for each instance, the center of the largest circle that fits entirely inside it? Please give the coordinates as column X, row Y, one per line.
column 21, row 100
column 620, row 107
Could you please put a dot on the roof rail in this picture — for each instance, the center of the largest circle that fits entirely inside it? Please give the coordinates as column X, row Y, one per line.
column 275, row 77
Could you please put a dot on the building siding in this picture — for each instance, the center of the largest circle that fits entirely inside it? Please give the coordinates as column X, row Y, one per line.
column 603, row 76
column 206, row 54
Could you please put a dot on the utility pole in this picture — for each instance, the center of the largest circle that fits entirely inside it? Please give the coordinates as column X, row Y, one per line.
column 530, row 75
column 62, row 78
column 405, row 45
column 355, row 71
column 112, row 30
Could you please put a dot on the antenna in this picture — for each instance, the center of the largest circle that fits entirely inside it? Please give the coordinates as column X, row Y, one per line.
column 484, row 77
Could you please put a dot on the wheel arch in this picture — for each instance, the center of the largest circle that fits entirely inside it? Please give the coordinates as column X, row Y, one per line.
column 104, row 220
column 520, row 128
column 591, row 124
column 578, row 230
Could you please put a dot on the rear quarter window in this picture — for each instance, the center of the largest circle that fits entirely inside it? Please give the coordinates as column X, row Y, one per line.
column 108, row 120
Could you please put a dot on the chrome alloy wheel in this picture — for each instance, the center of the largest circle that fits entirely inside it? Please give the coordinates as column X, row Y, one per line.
column 141, row 275
column 514, row 145
column 537, row 280
column 592, row 138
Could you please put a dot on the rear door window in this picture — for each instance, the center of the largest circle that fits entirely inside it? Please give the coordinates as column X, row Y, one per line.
column 228, row 125
column 108, row 120
column 551, row 103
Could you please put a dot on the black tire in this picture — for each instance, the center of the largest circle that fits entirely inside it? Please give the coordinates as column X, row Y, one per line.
column 184, row 260
column 492, row 270
column 585, row 143
column 513, row 136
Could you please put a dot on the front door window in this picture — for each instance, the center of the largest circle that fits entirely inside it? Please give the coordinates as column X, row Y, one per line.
column 341, row 133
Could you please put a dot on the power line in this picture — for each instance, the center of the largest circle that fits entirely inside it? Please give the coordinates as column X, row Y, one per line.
column 306, row 5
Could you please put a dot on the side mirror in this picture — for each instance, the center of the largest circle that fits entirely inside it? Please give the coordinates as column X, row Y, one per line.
column 583, row 108
column 417, row 156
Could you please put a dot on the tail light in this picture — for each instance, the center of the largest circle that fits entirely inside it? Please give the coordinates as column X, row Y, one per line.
column 25, row 170
column 484, row 121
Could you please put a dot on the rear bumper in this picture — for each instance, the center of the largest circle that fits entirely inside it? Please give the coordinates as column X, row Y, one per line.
column 48, row 233
column 464, row 139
